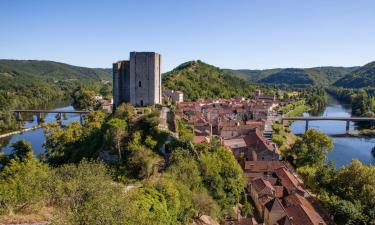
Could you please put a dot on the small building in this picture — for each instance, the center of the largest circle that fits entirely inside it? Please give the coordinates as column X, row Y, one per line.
column 252, row 146
column 175, row 96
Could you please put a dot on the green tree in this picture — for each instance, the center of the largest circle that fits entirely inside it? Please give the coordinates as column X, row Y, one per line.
column 116, row 129
column 124, row 111
column 24, row 185
column 84, row 99
column 21, row 148
column 86, row 194
column 312, row 148
column 149, row 207
column 278, row 139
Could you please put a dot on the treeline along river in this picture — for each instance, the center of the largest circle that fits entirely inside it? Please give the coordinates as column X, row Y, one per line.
column 36, row 137
column 345, row 148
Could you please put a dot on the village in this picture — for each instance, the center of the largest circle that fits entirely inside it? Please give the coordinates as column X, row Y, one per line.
column 244, row 127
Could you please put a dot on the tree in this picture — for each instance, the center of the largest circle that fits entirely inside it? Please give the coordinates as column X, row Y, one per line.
column 149, row 207
column 24, row 185
column 278, row 139
column 116, row 130
column 62, row 142
column 124, row 111
column 86, row 194
column 205, row 205
column 345, row 212
column 21, row 148
column 84, row 99
column 312, row 148
column 223, row 177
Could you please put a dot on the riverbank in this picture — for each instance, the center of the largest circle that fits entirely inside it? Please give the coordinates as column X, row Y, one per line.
column 367, row 132
column 20, row 131
column 355, row 145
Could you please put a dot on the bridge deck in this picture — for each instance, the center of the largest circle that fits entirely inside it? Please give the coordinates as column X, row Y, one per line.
column 311, row 118
column 49, row 111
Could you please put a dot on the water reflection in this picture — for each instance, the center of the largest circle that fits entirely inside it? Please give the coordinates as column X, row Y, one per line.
column 345, row 148
column 36, row 137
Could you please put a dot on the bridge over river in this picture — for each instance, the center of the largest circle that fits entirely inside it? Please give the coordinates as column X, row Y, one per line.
column 40, row 112
column 334, row 118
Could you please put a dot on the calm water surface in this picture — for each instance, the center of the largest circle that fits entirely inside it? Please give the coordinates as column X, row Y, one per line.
column 36, row 137
column 345, row 148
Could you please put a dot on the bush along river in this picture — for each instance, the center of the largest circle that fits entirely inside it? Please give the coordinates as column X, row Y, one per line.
column 345, row 148
column 36, row 137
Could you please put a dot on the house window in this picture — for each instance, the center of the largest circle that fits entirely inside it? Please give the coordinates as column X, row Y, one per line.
column 139, row 84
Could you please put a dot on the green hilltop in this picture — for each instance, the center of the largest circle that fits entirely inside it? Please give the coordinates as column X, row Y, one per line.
column 200, row 80
column 363, row 77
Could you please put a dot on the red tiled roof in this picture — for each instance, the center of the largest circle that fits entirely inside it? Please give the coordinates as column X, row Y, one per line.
column 260, row 185
column 263, row 166
column 301, row 215
column 200, row 139
column 288, row 180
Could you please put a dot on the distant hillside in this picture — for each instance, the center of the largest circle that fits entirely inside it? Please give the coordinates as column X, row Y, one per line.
column 294, row 76
column 200, row 80
column 14, row 73
column 359, row 78
column 251, row 75
column 32, row 83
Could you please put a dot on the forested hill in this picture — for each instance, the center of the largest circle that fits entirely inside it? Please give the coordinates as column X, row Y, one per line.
column 200, row 80
column 322, row 76
column 32, row 83
column 360, row 78
column 14, row 73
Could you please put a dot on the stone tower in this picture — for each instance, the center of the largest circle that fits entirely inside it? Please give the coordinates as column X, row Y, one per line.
column 138, row 81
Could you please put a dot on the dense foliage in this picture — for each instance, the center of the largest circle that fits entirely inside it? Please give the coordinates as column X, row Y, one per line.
column 41, row 84
column 200, row 80
column 310, row 149
column 141, row 186
column 316, row 98
column 348, row 193
column 360, row 78
column 362, row 100
column 322, row 76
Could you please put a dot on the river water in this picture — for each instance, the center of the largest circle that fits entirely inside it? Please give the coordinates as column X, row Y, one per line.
column 345, row 148
column 36, row 137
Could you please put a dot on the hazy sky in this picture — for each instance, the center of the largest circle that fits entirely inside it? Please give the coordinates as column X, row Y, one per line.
column 226, row 33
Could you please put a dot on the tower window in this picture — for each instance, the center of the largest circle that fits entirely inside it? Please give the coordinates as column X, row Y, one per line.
column 139, row 84
column 141, row 102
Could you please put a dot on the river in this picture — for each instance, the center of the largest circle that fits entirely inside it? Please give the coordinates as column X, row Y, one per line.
column 36, row 137
column 345, row 148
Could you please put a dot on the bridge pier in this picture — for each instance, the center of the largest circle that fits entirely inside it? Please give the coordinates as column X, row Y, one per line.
column 347, row 126
column 38, row 118
column 307, row 125
column 18, row 116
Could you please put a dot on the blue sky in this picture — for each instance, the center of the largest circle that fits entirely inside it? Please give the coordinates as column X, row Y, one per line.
column 252, row 34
